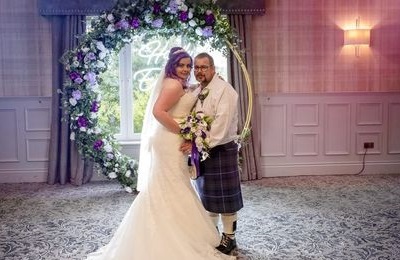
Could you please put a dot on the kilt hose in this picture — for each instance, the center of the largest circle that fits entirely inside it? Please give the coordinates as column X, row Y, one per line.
column 219, row 183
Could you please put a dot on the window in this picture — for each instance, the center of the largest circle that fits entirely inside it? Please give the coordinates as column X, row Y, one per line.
column 127, row 83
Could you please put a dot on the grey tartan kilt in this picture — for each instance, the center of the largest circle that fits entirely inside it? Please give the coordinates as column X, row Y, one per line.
column 219, row 184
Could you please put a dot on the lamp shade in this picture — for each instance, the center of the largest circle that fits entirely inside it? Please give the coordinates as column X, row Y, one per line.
column 356, row 37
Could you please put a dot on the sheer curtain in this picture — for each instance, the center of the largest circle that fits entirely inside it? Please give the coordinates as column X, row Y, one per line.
column 249, row 152
column 65, row 162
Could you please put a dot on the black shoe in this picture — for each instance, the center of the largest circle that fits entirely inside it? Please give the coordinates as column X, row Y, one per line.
column 227, row 244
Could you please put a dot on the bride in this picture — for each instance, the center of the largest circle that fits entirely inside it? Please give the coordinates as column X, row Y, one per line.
column 166, row 220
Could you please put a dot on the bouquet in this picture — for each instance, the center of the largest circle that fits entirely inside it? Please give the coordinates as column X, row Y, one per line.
column 195, row 128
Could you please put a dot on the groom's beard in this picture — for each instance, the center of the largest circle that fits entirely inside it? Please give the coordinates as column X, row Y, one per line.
column 204, row 82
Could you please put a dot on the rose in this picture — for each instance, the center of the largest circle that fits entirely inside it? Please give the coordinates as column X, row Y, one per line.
column 183, row 16
column 97, row 145
column 135, row 22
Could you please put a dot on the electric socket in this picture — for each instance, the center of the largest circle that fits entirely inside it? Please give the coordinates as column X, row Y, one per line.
column 369, row 145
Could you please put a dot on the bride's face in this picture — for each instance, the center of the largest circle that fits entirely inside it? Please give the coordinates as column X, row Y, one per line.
column 183, row 68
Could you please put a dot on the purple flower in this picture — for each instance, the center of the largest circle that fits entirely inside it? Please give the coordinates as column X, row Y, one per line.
column 91, row 77
column 209, row 19
column 94, row 107
column 82, row 121
column 78, row 80
column 157, row 23
column 183, row 16
column 91, row 56
column 207, row 31
column 135, row 22
column 156, row 8
column 173, row 7
column 77, row 94
column 123, row 24
column 79, row 55
column 97, row 145
column 185, row 130
column 73, row 75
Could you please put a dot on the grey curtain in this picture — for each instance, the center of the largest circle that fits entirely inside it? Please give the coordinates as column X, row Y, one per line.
column 65, row 162
column 250, row 151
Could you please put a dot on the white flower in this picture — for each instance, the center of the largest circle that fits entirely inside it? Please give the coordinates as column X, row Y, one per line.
column 72, row 136
column 100, row 64
column 94, row 88
column 85, row 49
column 110, row 17
column 110, row 156
column 100, row 46
column 192, row 23
column 93, row 115
column 128, row 189
column 82, row 129
column 75, row 63
column 102, row 55
column 110, row 28
column 97, row 130
column 128, row 173
column 184, row 7
column 72, row 101
column 148, row 18
column 112, row 175
column 190, row 13
column 90, row 131
column 199, row 31
column 108, row 148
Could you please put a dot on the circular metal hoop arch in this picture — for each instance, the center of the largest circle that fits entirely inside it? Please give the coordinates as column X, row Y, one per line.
column 246, row 126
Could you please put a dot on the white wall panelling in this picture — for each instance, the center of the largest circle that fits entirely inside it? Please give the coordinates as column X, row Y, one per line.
column 322, row 134
column 273, row 135
column 24, row 138
column 337, row 128
column 394, row 128
column 8, row 135
column 301, row 134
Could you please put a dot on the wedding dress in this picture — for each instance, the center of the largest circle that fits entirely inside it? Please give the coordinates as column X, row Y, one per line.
column 166, row 221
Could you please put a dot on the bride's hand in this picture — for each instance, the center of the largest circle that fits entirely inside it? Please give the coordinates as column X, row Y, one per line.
column 186, row 147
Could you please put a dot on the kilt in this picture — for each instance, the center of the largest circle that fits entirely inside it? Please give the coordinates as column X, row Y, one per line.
column 219, row 183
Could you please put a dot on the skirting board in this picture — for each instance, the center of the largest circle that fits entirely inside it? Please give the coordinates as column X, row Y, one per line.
column 33, row 175
column 329, row 169
column 23, row 175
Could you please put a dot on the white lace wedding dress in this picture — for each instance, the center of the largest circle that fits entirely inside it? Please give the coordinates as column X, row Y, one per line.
column 167, row 220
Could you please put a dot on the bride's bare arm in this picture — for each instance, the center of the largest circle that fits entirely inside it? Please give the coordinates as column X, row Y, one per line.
column 169, row 96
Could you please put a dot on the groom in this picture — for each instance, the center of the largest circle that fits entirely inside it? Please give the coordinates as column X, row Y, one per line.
column 219, row 184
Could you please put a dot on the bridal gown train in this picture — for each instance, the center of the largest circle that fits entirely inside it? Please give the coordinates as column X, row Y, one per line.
column 166, row 221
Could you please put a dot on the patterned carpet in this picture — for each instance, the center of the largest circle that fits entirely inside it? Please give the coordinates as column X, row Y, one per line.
column 315, row 217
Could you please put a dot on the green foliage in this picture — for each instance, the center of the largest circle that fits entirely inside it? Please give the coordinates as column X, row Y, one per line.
column 139, row 108
column 88, row 75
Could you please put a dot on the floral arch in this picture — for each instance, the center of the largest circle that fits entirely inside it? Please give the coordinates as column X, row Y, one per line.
column 196, row 22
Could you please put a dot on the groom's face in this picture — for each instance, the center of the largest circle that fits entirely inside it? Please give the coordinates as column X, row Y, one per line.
column 203, row 71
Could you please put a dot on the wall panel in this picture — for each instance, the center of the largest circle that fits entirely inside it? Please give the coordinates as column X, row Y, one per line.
column 327, row 132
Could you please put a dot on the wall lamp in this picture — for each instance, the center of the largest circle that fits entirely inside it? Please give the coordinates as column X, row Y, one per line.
column 357, row 37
